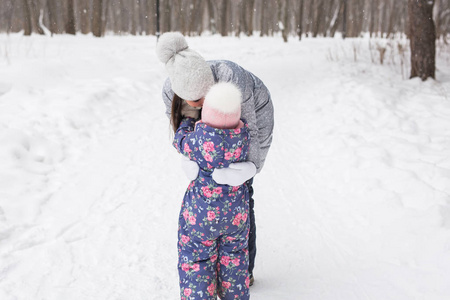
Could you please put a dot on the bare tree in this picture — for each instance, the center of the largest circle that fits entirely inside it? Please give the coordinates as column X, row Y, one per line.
column 84, row 13
column 422, row 38
column 329, row 17
column 211, row 17
column 52, row 16
column 300, row 19
column 391, row 20
column 373, row 10
column 337, row 17
column 344, row 19
column 31, row 12
column 284, row 18
column 223, row 18
column 134, row 11
column 70, row 21
column 195, row 10
column 26, row 18
column 263, row 23
column 442, row 18
column 319, row 15
column 7, row 14
column 242, row 10
column 151, row 17
column 104, row 14
column 97, row 13
column 310, row 18
column 246, row 17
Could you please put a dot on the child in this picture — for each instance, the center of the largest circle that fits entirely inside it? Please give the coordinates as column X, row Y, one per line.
column 214, row 225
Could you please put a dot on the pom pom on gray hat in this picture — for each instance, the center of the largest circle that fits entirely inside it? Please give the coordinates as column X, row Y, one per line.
column 169, row 44
column 189, row 73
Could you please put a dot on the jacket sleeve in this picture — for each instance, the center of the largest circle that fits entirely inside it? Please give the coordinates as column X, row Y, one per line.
column 264, row 115
column 185, row 141
column 257, row 108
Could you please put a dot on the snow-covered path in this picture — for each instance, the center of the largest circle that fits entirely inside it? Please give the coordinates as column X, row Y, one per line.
column 353, row 203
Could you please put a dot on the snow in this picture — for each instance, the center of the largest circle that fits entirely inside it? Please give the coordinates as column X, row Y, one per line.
column 353, row 202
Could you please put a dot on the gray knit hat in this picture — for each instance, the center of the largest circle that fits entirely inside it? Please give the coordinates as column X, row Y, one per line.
column 189, row 73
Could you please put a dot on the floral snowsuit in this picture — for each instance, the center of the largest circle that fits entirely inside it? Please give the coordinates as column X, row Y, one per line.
column 213, row 224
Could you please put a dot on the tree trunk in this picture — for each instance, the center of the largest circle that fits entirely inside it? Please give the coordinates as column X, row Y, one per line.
column 123, row 16
column 195, row 16
column 134, row 17
column 264, row 27
column 337, row 19
column 97, row 9
column 393, row 11
column 444, row 17
column 344, row 19
column 223, row 18
column 150, row 28
column 142, row 17
column 167, row 24
column 286, row 21
column 158, row 18
column 52, row 16
column 212, row 17
column 384, row 21
column 300, row 19
column 105, row 13
column 84, row 16
column 27, row 27
column 358, row 17
column 35, row 12
column 311, row 20
column 280, row 18
column 70, row 22
column 241, row 26
column 250, row 13
column 326, row 24
column 318, row 18
column 437, row 19
column 373, row 8
column 422, row 38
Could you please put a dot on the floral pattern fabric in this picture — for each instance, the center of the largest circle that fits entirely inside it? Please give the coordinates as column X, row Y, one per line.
column 214, row 219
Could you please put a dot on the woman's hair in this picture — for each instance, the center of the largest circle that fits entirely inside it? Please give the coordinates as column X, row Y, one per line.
column 175, row 117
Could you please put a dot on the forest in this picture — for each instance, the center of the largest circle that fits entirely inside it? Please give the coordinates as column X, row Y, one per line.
column 299, row 18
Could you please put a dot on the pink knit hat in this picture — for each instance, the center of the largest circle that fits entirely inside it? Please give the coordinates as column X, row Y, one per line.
column 222, row 106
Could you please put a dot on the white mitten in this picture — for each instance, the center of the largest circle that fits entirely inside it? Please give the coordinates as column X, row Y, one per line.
column 189, row 167
column 189, row 111
column 235, row 174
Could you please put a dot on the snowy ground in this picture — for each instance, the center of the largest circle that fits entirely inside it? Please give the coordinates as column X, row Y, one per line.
column 353, row 203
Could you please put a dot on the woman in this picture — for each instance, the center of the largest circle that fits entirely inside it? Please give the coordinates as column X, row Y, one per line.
column 190, row 78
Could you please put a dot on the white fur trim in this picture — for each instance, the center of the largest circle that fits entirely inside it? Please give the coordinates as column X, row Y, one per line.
column 224, row 97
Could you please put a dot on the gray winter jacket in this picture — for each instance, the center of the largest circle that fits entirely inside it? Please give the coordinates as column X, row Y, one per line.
column 257, row 108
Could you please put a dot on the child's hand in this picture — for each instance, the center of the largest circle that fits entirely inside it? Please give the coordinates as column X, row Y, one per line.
column 189, row 167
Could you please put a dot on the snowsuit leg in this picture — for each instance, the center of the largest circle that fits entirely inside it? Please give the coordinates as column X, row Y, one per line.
column 213, row 253
column 197, row 264
column 252, row 235
column 233, row 279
